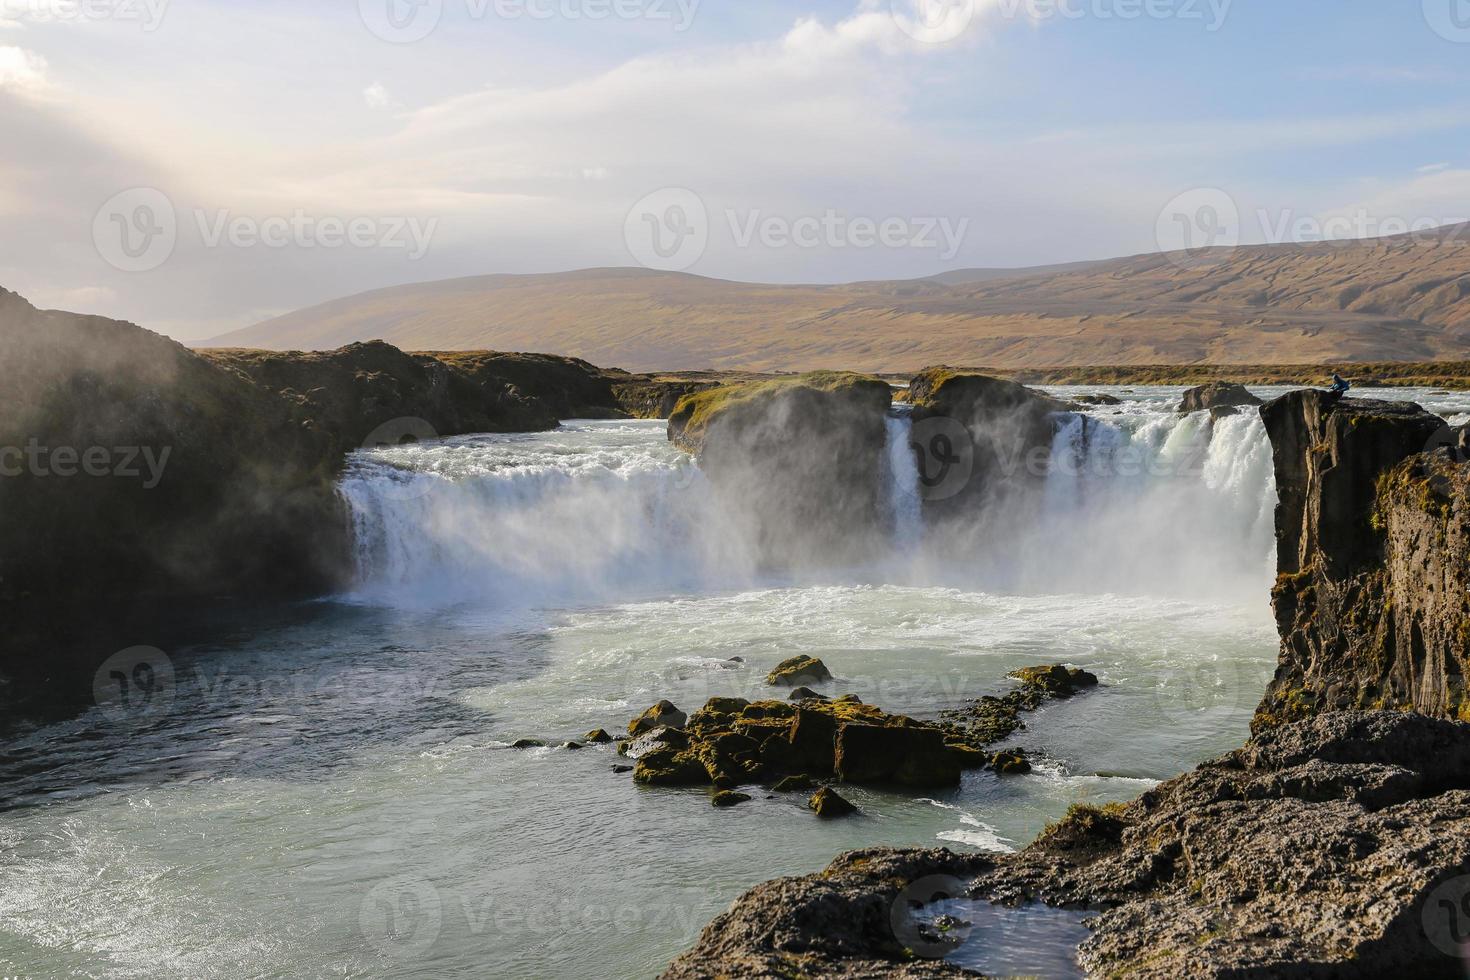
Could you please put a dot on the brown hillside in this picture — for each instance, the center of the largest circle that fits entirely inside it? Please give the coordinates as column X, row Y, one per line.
column 1391, row 299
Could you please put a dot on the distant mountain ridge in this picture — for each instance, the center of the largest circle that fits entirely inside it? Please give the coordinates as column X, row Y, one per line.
column 1405, row 298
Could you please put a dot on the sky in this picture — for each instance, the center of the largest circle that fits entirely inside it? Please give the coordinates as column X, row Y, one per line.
column 196, row 166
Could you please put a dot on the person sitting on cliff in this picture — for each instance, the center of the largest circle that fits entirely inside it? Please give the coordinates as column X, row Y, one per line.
column 1340, row 386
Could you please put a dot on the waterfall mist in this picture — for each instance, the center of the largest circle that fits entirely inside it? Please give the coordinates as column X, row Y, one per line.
column 1143, row 502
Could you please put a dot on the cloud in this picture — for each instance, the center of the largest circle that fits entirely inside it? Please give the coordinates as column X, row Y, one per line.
column 22, row 71
column 377, row 98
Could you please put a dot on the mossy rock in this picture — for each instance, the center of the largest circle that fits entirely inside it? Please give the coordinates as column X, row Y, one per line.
column 695, row 413
column 1057, row 680
column 572, row 746
column 728, row 798
column 828, row 804
column 807, row 694
column 1010, row 762
column 799, row 670
column 663, row 714
column 968, row 757
column 528, row 743
column 795, row 784
column 1086, row 827
column 670, row 767
column 597, row 737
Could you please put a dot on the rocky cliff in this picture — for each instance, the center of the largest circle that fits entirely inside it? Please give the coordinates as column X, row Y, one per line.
column 1322, row 849
column 137, row 475
column 797, row 465
column 1373, row 551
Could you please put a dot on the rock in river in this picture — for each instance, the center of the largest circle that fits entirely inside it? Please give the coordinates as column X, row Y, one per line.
column 799, row 670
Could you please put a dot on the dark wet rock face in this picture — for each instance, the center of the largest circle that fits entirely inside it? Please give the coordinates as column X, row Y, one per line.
column 984, row 448
column 796, row 464
column 647, row 398
column 1217, row 395
column 827, row 803
column 1311, row 852
column 1373, row 550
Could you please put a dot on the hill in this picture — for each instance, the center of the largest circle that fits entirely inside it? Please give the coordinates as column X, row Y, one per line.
column 1388, row 299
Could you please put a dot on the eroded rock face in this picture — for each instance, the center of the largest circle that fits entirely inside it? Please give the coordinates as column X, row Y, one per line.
column 208, row 485
column 984, row 448
column 1372, row 541
column 1311, row 852
column 1217, row 394
column 797, row 464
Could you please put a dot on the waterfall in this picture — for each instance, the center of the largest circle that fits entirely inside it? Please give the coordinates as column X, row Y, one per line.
column 1161, row 503
column 906, row 506
column 595, row 511
column 1143, row 502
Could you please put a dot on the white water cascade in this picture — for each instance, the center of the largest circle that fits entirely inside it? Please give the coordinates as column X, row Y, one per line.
column 1139, row 501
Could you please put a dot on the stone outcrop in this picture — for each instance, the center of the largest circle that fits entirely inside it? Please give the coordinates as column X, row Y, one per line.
column 347, row 395
column 1320, row 849
column 1217, row 395
column 796, row 464
column 655, row 398
column 799, row 670
column 1372, row 537
column 984, row 448
column 732, row 742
